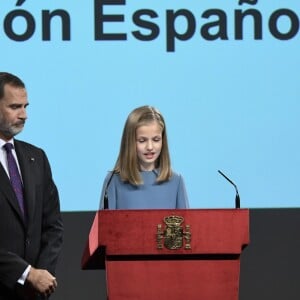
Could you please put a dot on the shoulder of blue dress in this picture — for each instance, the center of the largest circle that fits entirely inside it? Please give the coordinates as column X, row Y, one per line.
column 175, row 174
column 109, row 174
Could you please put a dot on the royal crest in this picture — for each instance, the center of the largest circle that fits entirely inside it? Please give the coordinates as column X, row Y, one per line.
column 173, row 236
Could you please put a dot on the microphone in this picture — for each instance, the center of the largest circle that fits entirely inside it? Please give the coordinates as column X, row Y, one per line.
column 237, row 196
column 105, row 204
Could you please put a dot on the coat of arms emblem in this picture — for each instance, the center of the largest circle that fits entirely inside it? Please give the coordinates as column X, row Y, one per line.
column 173, row 236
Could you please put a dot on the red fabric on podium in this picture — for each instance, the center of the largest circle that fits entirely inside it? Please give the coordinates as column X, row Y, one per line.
column 176, row 280
column 124, row 242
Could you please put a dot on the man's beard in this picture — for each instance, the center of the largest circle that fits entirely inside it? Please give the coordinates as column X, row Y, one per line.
column 8, row 130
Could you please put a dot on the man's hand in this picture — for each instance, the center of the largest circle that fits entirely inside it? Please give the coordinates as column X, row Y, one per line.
column 41, row 281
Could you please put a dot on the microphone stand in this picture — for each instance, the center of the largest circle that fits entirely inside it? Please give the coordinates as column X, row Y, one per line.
column 105, row 200
column 237, row 196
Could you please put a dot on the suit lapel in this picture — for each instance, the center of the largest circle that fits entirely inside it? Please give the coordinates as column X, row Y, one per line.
column 26, row 160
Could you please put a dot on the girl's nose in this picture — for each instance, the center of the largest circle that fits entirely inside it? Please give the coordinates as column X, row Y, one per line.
column 149, row 145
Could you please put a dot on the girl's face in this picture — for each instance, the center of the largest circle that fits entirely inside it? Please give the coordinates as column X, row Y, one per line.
column 148, row 145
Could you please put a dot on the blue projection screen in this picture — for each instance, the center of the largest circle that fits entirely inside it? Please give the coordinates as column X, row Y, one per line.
column 225, row 75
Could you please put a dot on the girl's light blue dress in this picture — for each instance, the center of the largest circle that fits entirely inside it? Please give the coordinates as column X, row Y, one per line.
column 150, row 195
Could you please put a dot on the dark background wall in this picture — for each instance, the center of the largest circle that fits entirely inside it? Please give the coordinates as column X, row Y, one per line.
column 270, row 265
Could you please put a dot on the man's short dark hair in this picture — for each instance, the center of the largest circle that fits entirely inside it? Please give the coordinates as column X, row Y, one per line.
column 7, row 78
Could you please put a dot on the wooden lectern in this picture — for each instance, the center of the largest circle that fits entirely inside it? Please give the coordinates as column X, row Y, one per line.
column 179, row 254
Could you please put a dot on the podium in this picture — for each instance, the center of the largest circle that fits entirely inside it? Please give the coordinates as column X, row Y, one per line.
column 169, row 254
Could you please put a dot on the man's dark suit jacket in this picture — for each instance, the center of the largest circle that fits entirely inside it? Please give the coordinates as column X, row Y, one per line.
column 38, row 240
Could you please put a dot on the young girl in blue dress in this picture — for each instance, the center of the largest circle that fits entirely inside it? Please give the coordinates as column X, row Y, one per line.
column 142, row 177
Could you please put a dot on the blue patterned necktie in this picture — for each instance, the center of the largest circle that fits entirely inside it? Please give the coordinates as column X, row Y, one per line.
column 14, row 175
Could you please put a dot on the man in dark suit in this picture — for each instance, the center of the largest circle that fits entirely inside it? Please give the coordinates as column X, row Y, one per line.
column 31, row 229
